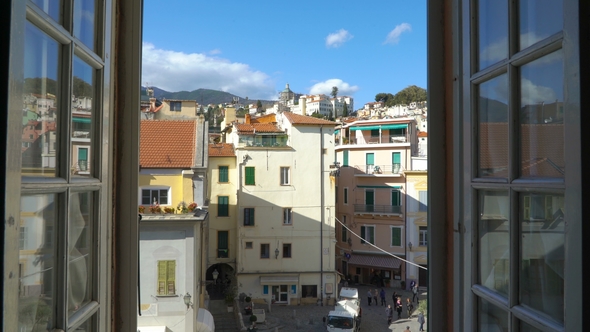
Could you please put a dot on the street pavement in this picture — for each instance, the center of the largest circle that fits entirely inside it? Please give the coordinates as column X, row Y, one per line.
column 297, row 318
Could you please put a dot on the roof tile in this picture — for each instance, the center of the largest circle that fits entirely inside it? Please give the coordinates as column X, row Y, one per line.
column 221, row 150
column 167, row 143
column 297, row 119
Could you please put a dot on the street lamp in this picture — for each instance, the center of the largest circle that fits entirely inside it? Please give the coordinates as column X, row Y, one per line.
column 410, row 245
column 215, row 275
column 277, row 253
column 187, row 300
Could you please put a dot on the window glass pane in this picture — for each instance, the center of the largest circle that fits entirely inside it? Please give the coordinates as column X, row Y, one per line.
column 493, row 31
column 36, row 261
column 494, row 240
column 491, row 318
column 88, row 326
column 493, row 128
column 223, row 173
column 542, row 253
column 82, row 110
column 84, row 21
column 80, row 250
column 541, row 117
column 51, row 7
column 524, row 327
column 40, row 116
column 539, row 19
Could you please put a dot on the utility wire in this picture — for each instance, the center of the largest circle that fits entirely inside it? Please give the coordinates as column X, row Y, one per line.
column 374, row 246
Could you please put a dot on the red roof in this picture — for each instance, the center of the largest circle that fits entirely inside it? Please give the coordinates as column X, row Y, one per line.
column 297, row 119
column 245, row 128
column 221, row 150
column 167, row 144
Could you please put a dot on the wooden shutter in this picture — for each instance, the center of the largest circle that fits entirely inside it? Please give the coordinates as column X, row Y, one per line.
column 171, row 278
column 162, row 277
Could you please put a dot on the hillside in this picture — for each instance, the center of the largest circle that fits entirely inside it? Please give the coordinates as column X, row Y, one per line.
column 203, row 96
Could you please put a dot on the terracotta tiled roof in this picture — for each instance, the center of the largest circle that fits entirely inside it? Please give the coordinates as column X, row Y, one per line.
column 221, row 150
column 422, row 134
column 269, row 118
column 297, row 119
column 167, row 144
column 245, row 128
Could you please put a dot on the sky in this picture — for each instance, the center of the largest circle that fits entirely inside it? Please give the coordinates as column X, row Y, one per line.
column 254, row 48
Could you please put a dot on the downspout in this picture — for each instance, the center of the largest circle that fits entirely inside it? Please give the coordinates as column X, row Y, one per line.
column 322, row 214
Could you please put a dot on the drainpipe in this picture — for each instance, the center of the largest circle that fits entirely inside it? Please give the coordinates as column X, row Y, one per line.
column 322, row 214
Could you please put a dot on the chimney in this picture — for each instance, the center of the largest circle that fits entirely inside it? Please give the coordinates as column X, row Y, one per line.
column 247, row 118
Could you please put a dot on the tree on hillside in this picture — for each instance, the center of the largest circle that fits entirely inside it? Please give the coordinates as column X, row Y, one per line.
column 344, row 110
column 258, row 106
column 410, row 94
column 386, row 98
column 317, row 114
column 334, row 94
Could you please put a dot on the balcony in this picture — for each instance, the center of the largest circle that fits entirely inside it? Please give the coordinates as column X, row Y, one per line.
column 377, row 209
column 384, row 139
column 264, row 142
column 391, row 169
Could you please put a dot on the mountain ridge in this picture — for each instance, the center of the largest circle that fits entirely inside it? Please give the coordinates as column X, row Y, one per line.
column 204, row 96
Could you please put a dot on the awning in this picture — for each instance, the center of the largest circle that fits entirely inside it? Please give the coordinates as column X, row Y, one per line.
column 205, row 321
column 282, row 280
column 81, row 120
column 337, row 131
column 395, row 126
column 387, row 262
column 364, row 128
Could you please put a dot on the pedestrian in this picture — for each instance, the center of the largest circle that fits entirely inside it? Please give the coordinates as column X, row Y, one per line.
column 369, row 296
column 389, row 313
column 399, row 307
column 421, row 320
column 407, row 329
column 376, row 296
column 382, row 294
column 415, row 292
column 410, row 307
column 394, row 297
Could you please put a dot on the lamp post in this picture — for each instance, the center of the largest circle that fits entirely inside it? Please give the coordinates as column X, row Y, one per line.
column 215, row 275
column 187, row 301
column 410, row 245
column 277, row 253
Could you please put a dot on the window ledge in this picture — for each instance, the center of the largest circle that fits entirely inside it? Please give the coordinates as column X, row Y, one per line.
column 164, row 296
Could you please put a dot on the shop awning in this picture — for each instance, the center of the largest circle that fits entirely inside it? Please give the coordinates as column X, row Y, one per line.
column 387, row 262
column 279, row 280
column 205, row 321
column 364, row 128
column 337, row 131
column 395, row 126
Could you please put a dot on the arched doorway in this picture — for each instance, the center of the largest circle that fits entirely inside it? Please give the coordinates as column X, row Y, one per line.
column 218, row 278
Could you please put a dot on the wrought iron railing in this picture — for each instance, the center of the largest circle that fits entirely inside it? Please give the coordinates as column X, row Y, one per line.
column 380, row 169
column 377, row 208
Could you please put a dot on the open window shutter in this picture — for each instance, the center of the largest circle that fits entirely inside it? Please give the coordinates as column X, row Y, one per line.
column 395, row 198
column 396, row 236
column 362, row 234
column 171, row 277
column 371, row 235
column 162, row 277
column 396, row 158
column 345, row 158
column 370, row 159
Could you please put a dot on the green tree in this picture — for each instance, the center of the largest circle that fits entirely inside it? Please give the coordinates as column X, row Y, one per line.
column 345, row 110
column 386, row 98
column 334, row 92
column 410, row 94
column 317, row 114
column 258, row 106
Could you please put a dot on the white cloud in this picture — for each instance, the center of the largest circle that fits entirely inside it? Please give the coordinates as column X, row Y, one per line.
column 325, row 87
column 393, row 36
column 215, row 51
column 176, row 71
column 338, row 38
column 532, row 94
column 498, row 50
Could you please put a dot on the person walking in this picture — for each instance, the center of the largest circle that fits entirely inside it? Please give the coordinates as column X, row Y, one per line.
column 421, row 320
column 415, row 292
column 369, row 296
column 410, row 307
column 394, row 297
column 382, row 295
column 389, row 313
column 407, row 329
column 399, row 307
column 376, row 296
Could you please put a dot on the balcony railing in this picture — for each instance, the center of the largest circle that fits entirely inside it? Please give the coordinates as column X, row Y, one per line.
column 364, row 208
column 372, row 140
column 380, row 169
column 258, row 141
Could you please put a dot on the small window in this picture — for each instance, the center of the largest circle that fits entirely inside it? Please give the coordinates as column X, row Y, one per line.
column 248, row 216
column 175, row 106
column 250, row 179
column 264, row 250
column 368, row 234
column 423, row 236
column 287, row 216
column 345, row 198
column 285, row 176
column 222, row 244
column 249, row 245
column 396, row 236
column 154, row 197
column 309, row 291
column 344, row 234
column 223, row 206
column 223, row 174
column 166, row 278
column 286, row 250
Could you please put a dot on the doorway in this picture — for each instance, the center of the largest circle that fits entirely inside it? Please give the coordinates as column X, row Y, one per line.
column 280, row 293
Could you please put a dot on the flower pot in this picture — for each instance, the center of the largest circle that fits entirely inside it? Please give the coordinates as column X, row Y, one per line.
column 230, row 308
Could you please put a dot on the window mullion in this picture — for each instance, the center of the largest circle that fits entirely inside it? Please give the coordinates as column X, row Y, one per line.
column 65, row 114
column 61, row 261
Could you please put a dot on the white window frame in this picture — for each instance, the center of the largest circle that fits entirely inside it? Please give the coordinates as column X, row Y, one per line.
column 287, row 216
column 285, row 176
column 422, row 236
column 169, row 193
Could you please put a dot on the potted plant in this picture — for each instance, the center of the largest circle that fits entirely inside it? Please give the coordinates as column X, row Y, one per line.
column 168, row 210
column 231, row 292
column 229, row 301
column 248, row 308
column 141, row 209
column 192, row 206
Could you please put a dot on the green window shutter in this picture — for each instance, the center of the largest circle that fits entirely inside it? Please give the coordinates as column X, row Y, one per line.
column 222, row 206
column 396, row 236
column 396, row 158
column 395, row 198
column 223, row 174
column 82, row 154
column 162, row 266
column 345, row 158
column 250, row 181
column 371, row 231
column 171, row 277
column 345, row 195
column 222, row 244
column 248, row 216
column 370, row 157
column 362, row 234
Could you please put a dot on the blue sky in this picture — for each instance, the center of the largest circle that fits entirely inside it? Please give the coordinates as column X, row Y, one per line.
column 253, row 48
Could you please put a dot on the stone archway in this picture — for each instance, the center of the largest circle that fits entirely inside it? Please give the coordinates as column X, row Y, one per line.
column 216, row 286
